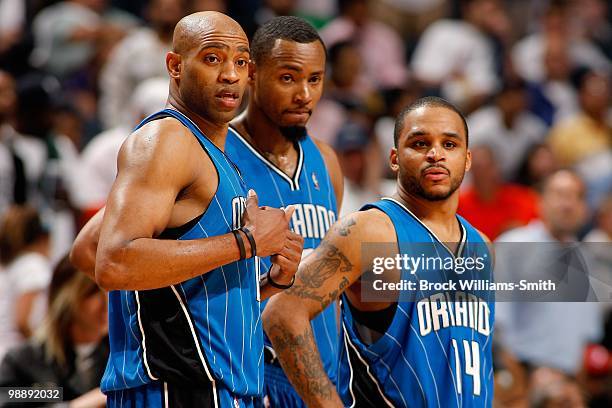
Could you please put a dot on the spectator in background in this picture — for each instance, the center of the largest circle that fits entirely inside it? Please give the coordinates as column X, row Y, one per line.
column 139, row 56
column 70, row 33
column 71, row 348
column 380, row 47
column 490, row 204
column 24, row 249
column 507, row 127
column 588, row 132
column 352, row 146
column 550, row 388
column 274, row 8
column 22, row 157
column 395, row 101
column 529, row 53
column 12, row 174
column 98, row 163
column 345, row 93
column 538, row 163
column 600, row 238
column 546, row 334
column 595, row 23
column 12, row 18
column 554, row 98
column 455, row 58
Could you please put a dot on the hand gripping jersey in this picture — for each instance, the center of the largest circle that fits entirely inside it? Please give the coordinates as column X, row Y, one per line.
column 204, row 332
column 436, row 352
column 311, row 192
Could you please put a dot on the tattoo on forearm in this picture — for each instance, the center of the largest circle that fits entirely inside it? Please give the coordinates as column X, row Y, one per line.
column 325, row 265
column 328, row 263
column 300, row 360
column 344, row 229
column 304, row 292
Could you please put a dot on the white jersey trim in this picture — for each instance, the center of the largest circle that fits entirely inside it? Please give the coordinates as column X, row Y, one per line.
column 197, row 344
column 294, row 181
column 144, row 344
column 463, row 231
column 348, row 342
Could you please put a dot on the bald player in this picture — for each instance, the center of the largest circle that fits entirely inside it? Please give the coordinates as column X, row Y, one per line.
column 179, row 239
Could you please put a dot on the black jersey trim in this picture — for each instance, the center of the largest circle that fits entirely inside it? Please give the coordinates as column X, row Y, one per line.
column 363, row 386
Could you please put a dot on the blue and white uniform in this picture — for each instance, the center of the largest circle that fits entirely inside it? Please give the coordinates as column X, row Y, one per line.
column 436, row 351
column 311, row 192
column 199, row 342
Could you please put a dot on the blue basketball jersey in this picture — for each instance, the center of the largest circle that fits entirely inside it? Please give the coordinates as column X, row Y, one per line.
column 436, row 351
column 311, row 192
column 205, row 332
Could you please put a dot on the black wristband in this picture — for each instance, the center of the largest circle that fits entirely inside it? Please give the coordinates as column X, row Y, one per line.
column 240, row 243
column 251, row 240
column 278, row 285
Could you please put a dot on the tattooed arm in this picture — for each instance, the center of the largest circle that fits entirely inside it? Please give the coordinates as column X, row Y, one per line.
column 321, row 278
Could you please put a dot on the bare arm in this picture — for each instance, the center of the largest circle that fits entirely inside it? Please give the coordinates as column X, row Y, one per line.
column 83, row 252
column 321, row 278
column 83, row 255
column 154, row 166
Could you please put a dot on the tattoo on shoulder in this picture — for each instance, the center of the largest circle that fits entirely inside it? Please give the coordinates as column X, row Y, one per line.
column 344, row 229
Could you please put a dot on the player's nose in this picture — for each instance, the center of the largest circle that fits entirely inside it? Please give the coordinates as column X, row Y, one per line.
column 303, row 95
column 229, row 73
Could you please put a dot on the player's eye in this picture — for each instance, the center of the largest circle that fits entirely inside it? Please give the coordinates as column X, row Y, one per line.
column 449, row 145
column 286, row 78
column 242, row 62
column 315, row 79
column 211, row 59
column 419, row 143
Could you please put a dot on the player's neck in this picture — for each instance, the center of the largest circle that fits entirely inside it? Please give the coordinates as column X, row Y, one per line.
column 215, row 132
column 443, row 211
column 265, row 135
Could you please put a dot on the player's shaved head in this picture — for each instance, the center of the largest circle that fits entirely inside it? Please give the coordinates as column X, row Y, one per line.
column 193, row 29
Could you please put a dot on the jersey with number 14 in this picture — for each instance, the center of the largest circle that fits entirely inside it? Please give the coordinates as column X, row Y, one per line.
column 311, row 193
column 436, row 351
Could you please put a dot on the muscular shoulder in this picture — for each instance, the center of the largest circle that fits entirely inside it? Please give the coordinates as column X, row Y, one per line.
column 164, row 148
column 366, row 226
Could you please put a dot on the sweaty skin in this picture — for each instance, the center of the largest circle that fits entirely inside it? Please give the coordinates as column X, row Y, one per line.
column 431, row 137
column 286, row 88
column 165, row 178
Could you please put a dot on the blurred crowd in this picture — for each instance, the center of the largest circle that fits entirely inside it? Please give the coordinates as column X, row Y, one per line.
column 534, row 79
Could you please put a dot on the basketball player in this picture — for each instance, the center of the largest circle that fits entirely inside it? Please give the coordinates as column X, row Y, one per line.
column 278, row 159
column 402, row 353
column 283, row 163
column 175, row 250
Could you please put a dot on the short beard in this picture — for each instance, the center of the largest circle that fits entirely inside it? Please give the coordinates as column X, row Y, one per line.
column 293, row 133
column 413, row 186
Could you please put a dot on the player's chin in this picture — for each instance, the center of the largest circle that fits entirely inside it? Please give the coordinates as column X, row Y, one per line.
column 225, row 115
column 436, row 192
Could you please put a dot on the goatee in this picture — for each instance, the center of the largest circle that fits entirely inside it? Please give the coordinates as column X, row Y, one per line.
column 294, row 133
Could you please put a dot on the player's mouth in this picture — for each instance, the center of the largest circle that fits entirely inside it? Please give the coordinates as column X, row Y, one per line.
column 228, row 99
column 299, row 115
column 435, row 173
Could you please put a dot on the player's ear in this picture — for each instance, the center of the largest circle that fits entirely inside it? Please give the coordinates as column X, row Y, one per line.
column 173, row 64
column 393, row 160
column 251, row 71
column 468, row 160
